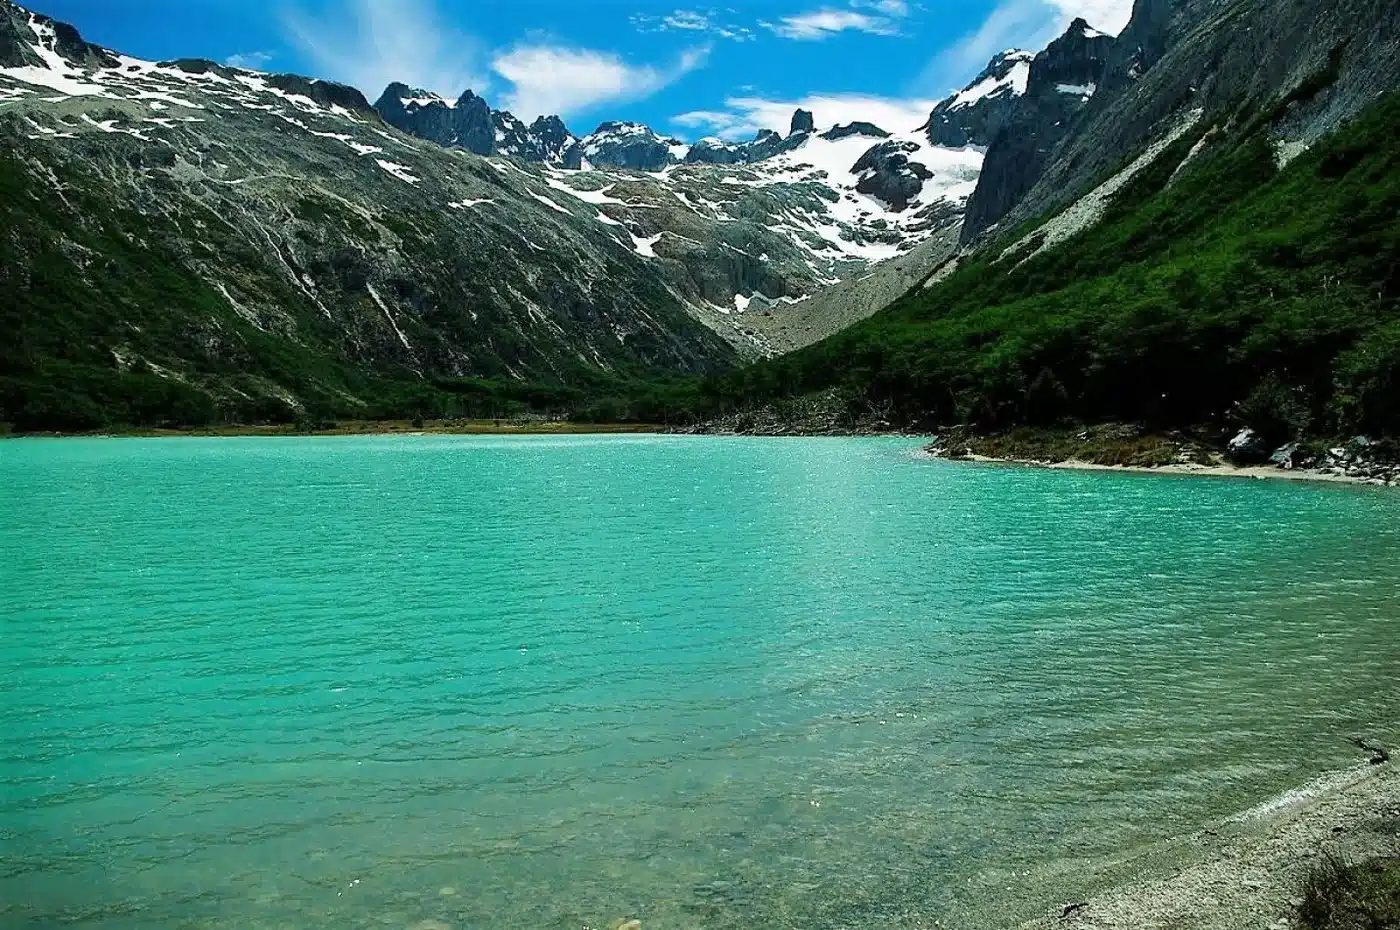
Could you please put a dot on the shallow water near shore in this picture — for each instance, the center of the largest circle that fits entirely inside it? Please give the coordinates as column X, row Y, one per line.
column 557, row 681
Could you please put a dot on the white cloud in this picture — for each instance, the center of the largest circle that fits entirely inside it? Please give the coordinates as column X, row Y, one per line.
column 552, row 80
column 828, row 21
column 1104, row 15
column 888, row 7
column 824, row 23
column 1027, row 24
column 687, row 19
column 709, row 22
column 745, row 116
column 371, row 43
column 252, row 61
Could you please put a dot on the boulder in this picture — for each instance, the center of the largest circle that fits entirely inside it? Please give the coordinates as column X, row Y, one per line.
column 887, row 173
column 1248, row 446
column 1285, row 456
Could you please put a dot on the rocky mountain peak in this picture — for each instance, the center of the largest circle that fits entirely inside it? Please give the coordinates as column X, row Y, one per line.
column 1072, row 63
column 21, row 31
column 857, row 128
column 975, row 114
column 326, row 93
column 1059, row 82
column 802, row 121
column 626, row 144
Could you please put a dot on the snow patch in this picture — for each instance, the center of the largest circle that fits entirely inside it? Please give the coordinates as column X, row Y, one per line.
column 1079, row 90
column 1015, row 81
column 549, row 203
column 399, row 171
column 645, row 247
column 389, row 316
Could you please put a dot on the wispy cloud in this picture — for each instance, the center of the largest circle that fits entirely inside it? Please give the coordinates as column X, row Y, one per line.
column 877, row 17
column 708, row 22
column 1026, row 24
column 252, row 61
column 550, row 79
column 1105, row 15
column 371, row 43
column 744, row 116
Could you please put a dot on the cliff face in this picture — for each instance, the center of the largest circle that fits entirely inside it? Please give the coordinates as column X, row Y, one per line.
column 1060, row 81
column 1301, row 66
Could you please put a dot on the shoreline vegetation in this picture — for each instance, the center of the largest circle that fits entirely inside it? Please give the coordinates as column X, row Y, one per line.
column 1107, row 447
column 1325, row 856
column 1123, row 447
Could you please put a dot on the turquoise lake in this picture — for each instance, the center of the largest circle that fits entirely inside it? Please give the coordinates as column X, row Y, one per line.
column 703, row 683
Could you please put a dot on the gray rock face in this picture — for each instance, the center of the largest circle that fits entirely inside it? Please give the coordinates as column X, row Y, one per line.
column 976, row 114
column 1061, row 80
column 554, row 143
column 298, row 226
column 18, row 40
column 1304, row 65
column 470, row 123
column 858, row 128
column 326, row 93
column 466, row 124
column 887, row 173
column 802, row 121
column 202, row 66
column 716, row 152
column 630, row 145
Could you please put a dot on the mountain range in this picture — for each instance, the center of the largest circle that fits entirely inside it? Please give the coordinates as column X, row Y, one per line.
column 191, row 242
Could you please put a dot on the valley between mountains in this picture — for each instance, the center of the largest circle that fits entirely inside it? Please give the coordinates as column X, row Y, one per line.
column 1084, row 233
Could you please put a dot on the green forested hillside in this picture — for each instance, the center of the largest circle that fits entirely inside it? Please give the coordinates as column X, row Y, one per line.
column 1238, row 293
column 106, row 323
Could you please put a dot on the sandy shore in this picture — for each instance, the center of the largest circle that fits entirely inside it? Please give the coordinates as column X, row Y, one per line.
column 1246, row 872
column 1215, row 471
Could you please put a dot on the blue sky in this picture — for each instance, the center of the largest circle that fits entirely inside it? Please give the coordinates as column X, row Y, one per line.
column 685, row 68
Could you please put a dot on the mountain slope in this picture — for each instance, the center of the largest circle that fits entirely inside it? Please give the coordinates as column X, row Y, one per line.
column 1234, row 294
column 263, row 245
column 1300, row 66
column 372, row 265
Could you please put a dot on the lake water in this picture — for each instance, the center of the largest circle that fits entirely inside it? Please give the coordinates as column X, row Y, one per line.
column 554, row 682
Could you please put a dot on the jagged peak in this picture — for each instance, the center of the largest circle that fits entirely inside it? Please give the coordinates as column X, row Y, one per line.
column 1007, row 74
column 1078, row 30
column 857, row 128
column 548, row 122
column 398, row 94
column 628, row 127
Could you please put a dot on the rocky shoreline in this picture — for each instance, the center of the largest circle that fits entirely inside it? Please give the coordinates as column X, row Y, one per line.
column 1122, row 447
column 1251, row 871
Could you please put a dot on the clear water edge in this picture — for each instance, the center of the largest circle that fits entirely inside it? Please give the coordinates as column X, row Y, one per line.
column 706, row 683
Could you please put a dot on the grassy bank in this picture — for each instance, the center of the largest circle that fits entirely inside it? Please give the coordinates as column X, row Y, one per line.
column 1341, row 895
